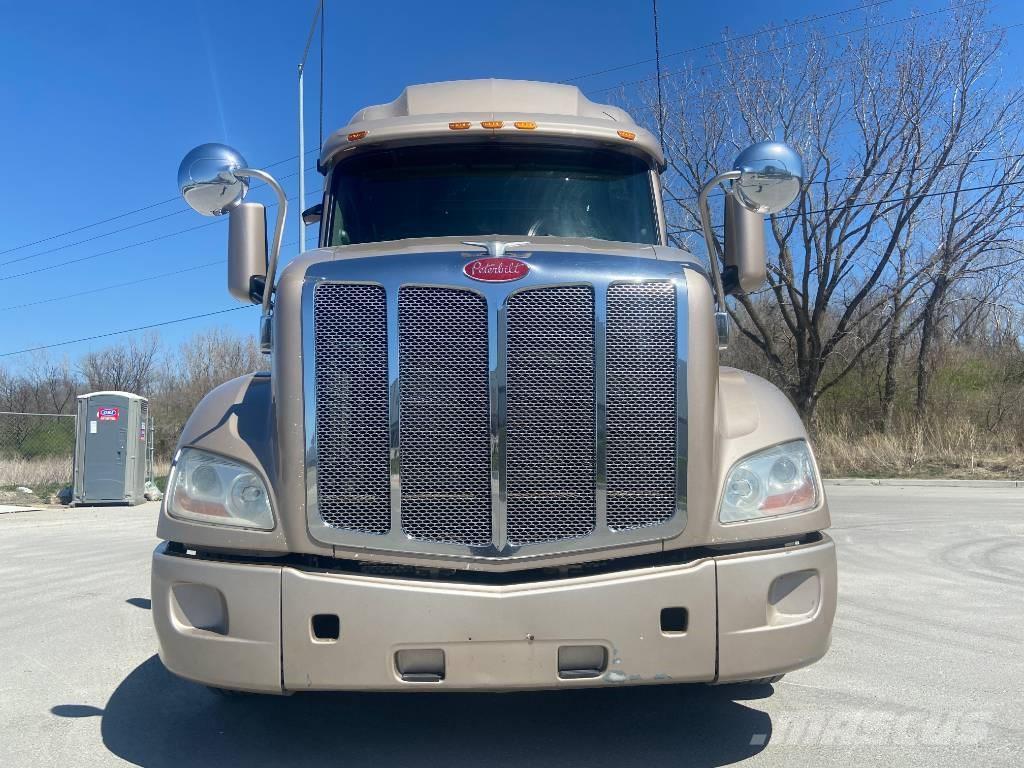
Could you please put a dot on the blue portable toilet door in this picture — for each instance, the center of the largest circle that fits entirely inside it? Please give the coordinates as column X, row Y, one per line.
column 105, row 448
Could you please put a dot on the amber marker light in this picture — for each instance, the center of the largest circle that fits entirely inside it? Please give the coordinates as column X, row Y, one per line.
column 459, row 126
column 627, row 135
column 492, row 123
column 525, row 125
column 357, row 135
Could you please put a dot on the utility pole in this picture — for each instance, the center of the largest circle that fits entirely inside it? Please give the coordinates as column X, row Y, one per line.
column 302, row 131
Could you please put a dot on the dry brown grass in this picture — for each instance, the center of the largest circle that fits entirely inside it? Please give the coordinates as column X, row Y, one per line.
column 938, row 447
column 39, row 472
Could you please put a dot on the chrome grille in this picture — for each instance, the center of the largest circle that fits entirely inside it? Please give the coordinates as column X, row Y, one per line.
column 550, row 415
column 353, row 480
column 445, row 426
column 455, row 419
column 641, row 401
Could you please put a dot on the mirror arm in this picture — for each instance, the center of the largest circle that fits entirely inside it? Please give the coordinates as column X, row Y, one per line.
column 275, row 246
column 714, row 247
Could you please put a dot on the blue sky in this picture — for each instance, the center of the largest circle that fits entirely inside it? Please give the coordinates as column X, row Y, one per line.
column 101, row 100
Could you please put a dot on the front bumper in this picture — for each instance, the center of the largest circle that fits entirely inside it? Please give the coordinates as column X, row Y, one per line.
column 250, row 626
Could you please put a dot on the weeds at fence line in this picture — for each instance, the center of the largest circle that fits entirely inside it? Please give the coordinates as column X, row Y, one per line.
column 953, row 446
column 36, row 451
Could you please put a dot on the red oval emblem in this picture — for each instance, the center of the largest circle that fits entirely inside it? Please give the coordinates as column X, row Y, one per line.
column 496, row 269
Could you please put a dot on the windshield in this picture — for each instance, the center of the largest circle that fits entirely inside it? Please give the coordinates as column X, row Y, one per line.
column 469, row 190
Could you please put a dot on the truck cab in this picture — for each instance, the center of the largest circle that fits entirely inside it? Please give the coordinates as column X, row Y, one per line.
column 495, row 448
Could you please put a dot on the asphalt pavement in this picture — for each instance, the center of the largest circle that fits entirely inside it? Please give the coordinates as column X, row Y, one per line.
column 926, row 666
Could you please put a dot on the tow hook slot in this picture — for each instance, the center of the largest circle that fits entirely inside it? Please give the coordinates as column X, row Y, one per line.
column 579, row 662
column 420, row 665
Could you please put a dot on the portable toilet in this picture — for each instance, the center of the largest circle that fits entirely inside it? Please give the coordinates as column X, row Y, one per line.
column 111, row 448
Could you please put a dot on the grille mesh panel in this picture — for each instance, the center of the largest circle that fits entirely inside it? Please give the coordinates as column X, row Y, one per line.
column 353, row 481
column 550, row 396
column 445, row 427
column 641, row 421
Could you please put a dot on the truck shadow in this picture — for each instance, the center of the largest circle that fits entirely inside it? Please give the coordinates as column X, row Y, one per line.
column 154, row 719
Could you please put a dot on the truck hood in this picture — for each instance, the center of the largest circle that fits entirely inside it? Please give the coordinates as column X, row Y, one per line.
column 448, row 244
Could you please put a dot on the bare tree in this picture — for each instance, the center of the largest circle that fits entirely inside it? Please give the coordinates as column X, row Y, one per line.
column 887, row 123
column 15, row 394
column 127, row 367
column 978, row 228
column 203, row 362
column 52, row 383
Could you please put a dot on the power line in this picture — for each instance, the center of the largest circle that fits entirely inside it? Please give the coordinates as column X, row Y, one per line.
column 127, row 330
column 321, row 15
column 757, row 54
column 659, row 77
column 920, row 196
column 149, row 207
column 672, row 232
column 914, row 169
column 136, row 225
column 90, row 226
column 66, row 296
column 798, row 23
column 147, row 278
column 80, row 259
column 321, row 11
column 906, row 198
column 90, row 239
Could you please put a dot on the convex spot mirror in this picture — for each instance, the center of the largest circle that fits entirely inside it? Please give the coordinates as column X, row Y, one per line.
column 770, row 177
column 207, row 180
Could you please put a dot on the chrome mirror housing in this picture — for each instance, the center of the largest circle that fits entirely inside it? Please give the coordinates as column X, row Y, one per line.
column 208, row 180
column 770, row 175
column 213, row 179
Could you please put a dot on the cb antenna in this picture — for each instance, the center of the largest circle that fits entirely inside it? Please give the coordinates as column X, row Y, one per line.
column 302, row 127
column 657, row 68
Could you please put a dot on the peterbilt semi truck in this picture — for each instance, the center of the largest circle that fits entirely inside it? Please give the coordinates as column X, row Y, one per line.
column 495, row 448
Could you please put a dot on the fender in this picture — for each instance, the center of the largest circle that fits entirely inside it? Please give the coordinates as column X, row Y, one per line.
column 753, row 415
column 235, row 420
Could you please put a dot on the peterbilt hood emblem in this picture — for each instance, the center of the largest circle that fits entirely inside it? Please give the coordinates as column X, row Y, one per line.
column 496, row 269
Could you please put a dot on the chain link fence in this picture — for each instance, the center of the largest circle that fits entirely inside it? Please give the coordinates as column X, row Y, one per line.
column 37, row 452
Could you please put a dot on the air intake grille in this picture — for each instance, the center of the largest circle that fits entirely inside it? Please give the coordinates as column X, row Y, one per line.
column 433, row 435
column 445, row 424
column 353, row 481
column 641, row 371
column 550, row 434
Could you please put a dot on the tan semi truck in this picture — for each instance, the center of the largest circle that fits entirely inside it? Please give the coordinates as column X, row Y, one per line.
column 495, row 448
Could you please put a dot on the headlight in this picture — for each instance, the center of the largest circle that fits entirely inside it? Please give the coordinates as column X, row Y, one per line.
column 211, row 489
column 777, row 481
